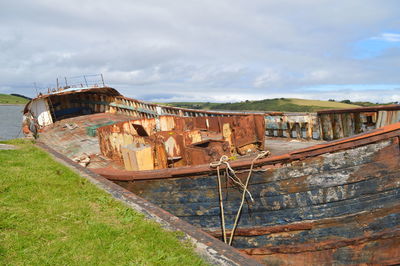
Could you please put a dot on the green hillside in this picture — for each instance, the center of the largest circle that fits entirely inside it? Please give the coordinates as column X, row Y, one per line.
column 279, row 104
column 11, row 99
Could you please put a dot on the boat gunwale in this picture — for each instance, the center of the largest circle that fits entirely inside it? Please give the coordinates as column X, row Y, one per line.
column 319, row 149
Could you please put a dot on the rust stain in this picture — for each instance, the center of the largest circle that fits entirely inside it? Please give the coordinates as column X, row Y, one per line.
column 187, row 140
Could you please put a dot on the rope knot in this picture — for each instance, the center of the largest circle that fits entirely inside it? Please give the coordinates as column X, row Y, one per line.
column 223, row 160
column 262, row 155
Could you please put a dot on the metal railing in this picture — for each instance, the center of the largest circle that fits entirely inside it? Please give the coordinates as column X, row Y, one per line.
column 84, row 81
column 95, row 80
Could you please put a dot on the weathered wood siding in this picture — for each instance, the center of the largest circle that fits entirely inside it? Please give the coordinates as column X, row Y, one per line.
column 330, row 125
column 337, row 124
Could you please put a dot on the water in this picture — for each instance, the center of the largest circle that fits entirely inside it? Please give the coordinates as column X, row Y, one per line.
column 10, row 121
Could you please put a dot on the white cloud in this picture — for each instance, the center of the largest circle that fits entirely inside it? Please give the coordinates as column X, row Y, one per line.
column 318, row 75
column 238, row 48
column 388, row 37
column 268, row 78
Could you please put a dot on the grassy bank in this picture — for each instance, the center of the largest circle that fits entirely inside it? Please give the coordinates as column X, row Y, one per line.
column 51, row 216
column 281, row 104
column 11, row 99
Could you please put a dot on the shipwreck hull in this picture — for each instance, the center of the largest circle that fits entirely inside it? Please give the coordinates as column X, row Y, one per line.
column 332, row 203
column 316, row 207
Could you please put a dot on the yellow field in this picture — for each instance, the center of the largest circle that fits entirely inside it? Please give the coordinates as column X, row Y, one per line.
column 328, row 104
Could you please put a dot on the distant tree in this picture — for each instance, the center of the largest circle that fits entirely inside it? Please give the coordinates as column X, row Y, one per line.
column 346, row 101
column 332, row 100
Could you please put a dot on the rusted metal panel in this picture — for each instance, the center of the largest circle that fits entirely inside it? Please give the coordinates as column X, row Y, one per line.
column 173, row 142
column 112, row 137
column 246, row 135
column 214, row 125
column 259, row 126
column 192, row 136
column 201, row 123
column 207, row 151
column 167, row 123
column 160, row 154
column 244, row 131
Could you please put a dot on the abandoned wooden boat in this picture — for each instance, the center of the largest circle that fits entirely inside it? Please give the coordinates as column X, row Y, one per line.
column 335, row 202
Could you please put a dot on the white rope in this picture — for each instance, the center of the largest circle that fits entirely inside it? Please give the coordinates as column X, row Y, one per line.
column 221, row 205
column 262, row 154
column 224, row 160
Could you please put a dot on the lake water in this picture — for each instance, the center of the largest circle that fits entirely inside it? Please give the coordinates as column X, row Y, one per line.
column 10, row 121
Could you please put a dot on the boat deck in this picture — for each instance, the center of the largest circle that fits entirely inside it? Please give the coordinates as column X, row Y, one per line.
column 69, row 137
column 279, row 146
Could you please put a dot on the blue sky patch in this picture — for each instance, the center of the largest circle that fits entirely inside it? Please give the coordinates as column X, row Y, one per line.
column 375, row 46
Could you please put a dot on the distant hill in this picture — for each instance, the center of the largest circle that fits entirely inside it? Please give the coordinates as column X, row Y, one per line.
column 20, row 95
column 12, row 99
column 278, row 104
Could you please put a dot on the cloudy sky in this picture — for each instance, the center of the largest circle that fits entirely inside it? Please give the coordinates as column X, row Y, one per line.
column 209, row 50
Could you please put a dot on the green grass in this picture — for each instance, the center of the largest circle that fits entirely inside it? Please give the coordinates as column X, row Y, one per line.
column 51, row 216
column 11, row 99
column 279, row 104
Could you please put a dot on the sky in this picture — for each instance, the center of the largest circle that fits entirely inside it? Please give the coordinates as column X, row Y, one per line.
column 209, row 50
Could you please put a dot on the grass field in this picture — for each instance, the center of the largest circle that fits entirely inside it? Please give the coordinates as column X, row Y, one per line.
column 51, row 216
column 281, row 104
column 11, row 99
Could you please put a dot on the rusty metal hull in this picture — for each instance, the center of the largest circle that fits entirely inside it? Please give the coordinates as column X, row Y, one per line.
column 336, row 203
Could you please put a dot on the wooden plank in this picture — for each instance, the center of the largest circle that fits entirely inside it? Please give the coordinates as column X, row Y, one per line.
column 139, row 157
column 298, row 169
column 366, row 203
column 327, row 126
